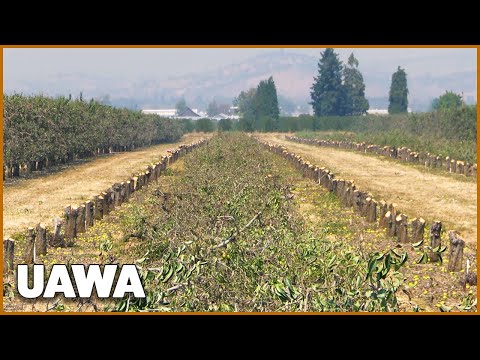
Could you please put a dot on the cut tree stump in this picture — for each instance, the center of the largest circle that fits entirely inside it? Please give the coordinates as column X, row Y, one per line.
column 56, row 239
column 89, row 214
column 382, row 210
column 357, row 201
column 70, row 214
column 435, row 241
column 80, row 221
column 390, row 224
column 418, row 229
column 29, row 257
column 456, row 251
column 8, row 253
column 111, row 200
column 98, row 210
column 41, row 240
column 105, row 202
column 371, row 209
column 453, row 166
column 393, row 227
column 401, row 224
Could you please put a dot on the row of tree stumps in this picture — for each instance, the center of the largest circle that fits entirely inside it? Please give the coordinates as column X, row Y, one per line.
column 77, row 219
column 401, row 153
column 394, row 222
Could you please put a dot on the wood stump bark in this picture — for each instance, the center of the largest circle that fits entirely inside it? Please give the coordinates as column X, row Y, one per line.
column 8, row 254
column 371, row 210
column 435, row 241
column 390, row 224
column 70, row 214
column 29, row 257
column 418, row 229
column 98, row 208
column 41, row 240
column 80, row 221
column 89, row 214
column 382, row 210
column 401, row 224
column 57, row 239
column 456, row 251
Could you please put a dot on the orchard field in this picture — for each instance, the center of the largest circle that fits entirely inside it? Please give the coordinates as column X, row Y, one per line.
column 232, row 227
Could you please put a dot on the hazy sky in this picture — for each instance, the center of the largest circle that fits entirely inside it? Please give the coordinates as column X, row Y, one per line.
column 131, row 64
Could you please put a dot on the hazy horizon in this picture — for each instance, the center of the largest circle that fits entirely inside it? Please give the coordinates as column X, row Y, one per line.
column 32, row 70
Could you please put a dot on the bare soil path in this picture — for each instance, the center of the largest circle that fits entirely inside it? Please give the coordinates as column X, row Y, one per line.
column 29, row 201
column 417, row 192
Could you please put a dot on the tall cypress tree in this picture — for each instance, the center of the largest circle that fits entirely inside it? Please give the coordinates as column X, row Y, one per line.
column 328, row 96
column 398, row 96
column 266, row 105
column 355, row 101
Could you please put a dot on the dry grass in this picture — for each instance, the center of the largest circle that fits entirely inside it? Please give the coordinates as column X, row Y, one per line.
column 29, row 201
column 417, row 192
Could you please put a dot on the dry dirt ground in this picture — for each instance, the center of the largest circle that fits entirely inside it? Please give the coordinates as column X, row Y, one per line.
column 26, row 202
column 417, row 191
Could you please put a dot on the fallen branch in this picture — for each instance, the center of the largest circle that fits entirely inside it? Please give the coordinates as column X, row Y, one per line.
column 233, row 237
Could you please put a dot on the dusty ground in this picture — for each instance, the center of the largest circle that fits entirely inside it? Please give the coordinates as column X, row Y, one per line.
column 26, row 202
column 418, row 192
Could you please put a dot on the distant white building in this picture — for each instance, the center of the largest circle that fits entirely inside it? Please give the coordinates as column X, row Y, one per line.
column 382, row 111
column 161, row 112
column 377, row 111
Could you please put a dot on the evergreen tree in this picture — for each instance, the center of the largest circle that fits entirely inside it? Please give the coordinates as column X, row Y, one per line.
column 355, row 101
column 266, row 105
column 328, row 96
column 398, row 96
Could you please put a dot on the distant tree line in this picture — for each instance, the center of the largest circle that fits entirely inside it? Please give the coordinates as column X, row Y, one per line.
column 458, row 123
column 39, row 131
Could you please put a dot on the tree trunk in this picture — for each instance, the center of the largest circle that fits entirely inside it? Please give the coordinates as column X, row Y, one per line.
column 70, row 213
column 418, row 229
column 89, row 214
column 106, row 201
column 456, row 251
column 80, row 221
column 29, row 257
column 382, row 210
column 453, row 166
column 8, row 254
column 98, row 209
column 57, row 239
column 392, row 229
column 390, row 224
column 41, row 240
column 401, row 225
column 371, row 207
column 16, row 170
column 435, row 240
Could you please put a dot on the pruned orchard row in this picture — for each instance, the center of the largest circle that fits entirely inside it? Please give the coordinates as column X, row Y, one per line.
column 396, row 223
column 77, row 219
column 401, row 154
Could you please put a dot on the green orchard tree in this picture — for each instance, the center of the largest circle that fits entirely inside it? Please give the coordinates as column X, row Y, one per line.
column 449, row 100
column 398, row 96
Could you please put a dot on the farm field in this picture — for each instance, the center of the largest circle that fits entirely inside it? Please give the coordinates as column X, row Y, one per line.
column 27, row 202
column 418, row 192
column 232, row 227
